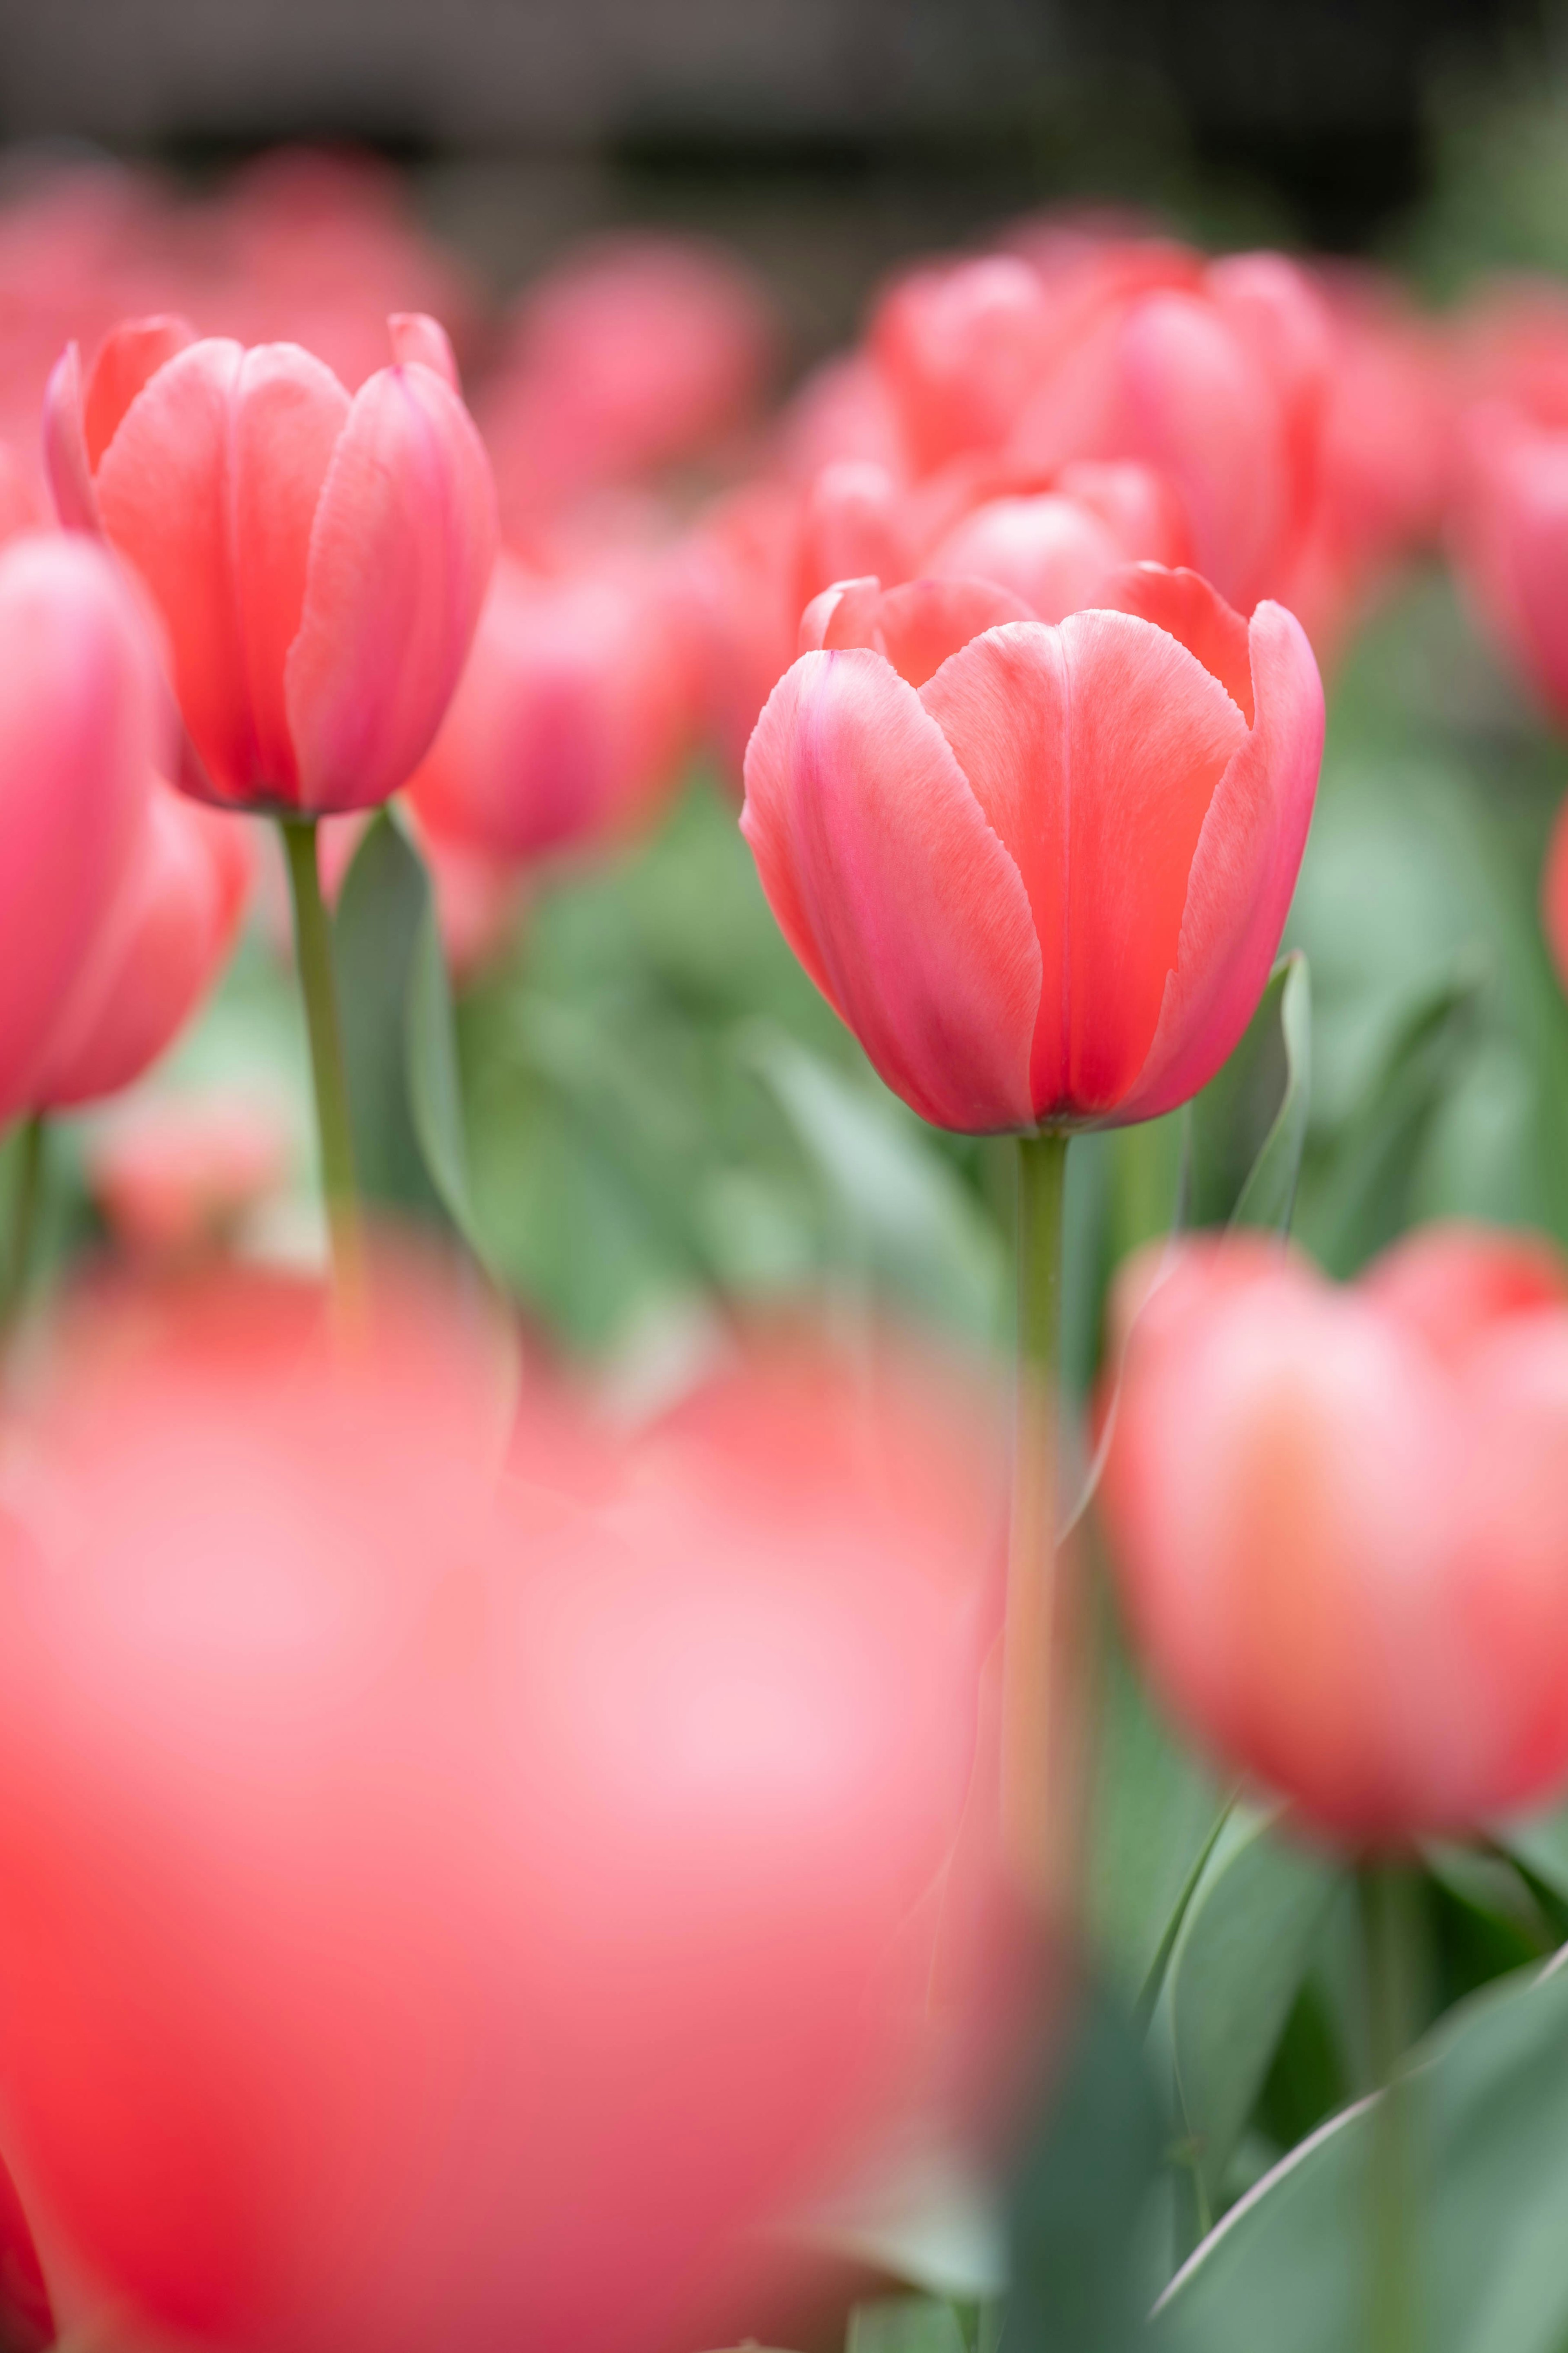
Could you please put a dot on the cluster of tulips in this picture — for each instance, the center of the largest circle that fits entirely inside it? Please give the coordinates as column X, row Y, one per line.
column 471, row 1871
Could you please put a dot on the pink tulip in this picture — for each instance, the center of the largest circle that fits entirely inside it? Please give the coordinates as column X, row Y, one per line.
column 319, row 561
column 461, row 1918
column 158, row 952
column 80, row 706
column 1041, row 871
column 1340, row 1523
column 171, row 1175
column 960, row 347
column 1057, row 546
column 573, row 718
column 1511, row 532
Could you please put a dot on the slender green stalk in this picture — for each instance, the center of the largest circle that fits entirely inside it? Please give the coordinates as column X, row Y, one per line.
column 1032, row 1676
column 1389, row 1899
column 27, row 1195
column 313, row 954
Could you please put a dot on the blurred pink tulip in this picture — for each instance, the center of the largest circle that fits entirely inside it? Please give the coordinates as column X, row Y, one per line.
column 1340, row 1523
column 573, row 718
column 461, row 1918
column 1510, row 533
column 319, row 563
column 1040, row 871
column 175, row 1174
column 80, row 704
column 161, row 947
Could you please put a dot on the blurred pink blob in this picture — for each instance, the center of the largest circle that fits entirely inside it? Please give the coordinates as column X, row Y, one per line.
column 159, row 950
column 174, row 1175
column 635, row 353
column 1340, row 1523
column 464, row 1916
column 318, row 562
column 79, row 738
column 1041, row 871
column 1510, row 536
column 574, row 718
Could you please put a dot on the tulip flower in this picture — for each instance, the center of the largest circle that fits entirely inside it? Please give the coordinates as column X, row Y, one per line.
column 319, row 563
column 466, row 1915
column 571, row 722
column 160, row 949
column 78, row 739
column 1340, row 1520
column 1041, row 871
column 1511, row 530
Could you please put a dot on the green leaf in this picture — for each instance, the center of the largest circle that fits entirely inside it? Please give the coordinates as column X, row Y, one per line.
column 904, row 2324
column 1489, row 2100
column 1082, row 2198
column 1243, row 1949
column 1247, row 1131
column 399, row 1045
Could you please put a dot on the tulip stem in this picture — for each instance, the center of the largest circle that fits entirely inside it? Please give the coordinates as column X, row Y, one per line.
column 1032, row 1678
column 317, row 986
column 27, row 1192
column 1389, row 1896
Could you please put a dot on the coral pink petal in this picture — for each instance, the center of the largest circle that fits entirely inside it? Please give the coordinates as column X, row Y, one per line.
column 925, row 620
column 128, row 356
column 64, row 446
column 79, row 705
column 416, row 336
column 165, row 491
column 895, row 892
column 404, row 542
column 1243, row 874
column 288, row 410
column 1184, row 604
column 1050, row 551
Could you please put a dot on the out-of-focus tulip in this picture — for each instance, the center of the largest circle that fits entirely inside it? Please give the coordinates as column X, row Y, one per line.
column 1554, row 895
column 1056, row 547
column 961, row 346
column 636, row 352
column 173, row 1173
column 462, row 1917
column 319, row 561
column 1511, row 532
column 159, row 950
column 1340, row 1523
column 1040, row 871
column 572, row 720
column 79, row 700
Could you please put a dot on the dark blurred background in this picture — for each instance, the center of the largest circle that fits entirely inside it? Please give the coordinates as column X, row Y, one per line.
column 824, row 137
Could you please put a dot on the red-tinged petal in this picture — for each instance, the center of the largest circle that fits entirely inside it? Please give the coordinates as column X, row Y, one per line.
column 847, row 614
column 401, row 555
column 417, row 336
column 1050, row 551
column 64, row 446
column 925, row 620
column 165, row 494
column 127, row 358
column 288, row 410
column 1244, row 873
column 1182, row 604
column 894, row 891
column 79, row 705
column 1151, row 734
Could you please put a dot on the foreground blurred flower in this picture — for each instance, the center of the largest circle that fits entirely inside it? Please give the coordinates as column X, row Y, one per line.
column 1340, row 1523
column 460, row 1917
column 319, row 561
column 1041, row 873
column 79, row 741
column 174, row 1175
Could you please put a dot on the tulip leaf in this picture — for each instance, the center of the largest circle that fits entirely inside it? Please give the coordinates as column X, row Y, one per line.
column 1248, row 1130
column 1083, row 2195
column 398, row 1039
column 1488, row 2093
column 1242, row 1952
column 904, row 2324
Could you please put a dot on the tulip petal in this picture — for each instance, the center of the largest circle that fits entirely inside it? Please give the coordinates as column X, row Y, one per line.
column 127, row 358
column 416, row 336
column 165, row 491
column 1183, row 605
column 1243, row 874
column 288, row 410
column 400, row 553
column 64, row 446
column 1050, row 551
column 893, row 890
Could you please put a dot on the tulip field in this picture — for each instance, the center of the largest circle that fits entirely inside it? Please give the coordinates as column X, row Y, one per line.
column 784, row 1290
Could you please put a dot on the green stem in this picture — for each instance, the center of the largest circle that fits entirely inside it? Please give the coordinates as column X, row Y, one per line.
column 26, row 1194
column 1389, row 1896
column 1032, row 1642
column 317, row 986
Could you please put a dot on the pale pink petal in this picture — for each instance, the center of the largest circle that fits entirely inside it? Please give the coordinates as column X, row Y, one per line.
column 165, row 494
column 64, row 446
column 405, row 539
column 1243, row 875
column 417, row 336
column 896, row 894
column 288, row 410
column 127, row 358
column 1182, row 604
